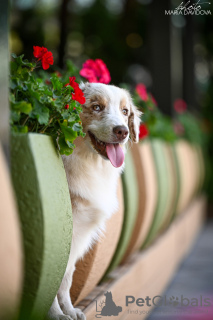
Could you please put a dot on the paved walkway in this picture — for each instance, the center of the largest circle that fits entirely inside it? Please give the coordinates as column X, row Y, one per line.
column 192, row 284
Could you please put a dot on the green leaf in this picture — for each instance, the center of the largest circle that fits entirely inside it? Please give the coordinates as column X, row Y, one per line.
column 20, row 129
column 13, row 84
column 57, row 85
column 22, row 106
column 72, row 69
column 18, row 59
column 14, row 116
column 41, row 113
column 45, row 99
column 77, row 127
column 12, row 98
column 58, row 104
column 14, row 56
column 13, row 67
column 31, row 65
column 67, row 116
column 70, row 144
column 68, row 132
column 63, row 146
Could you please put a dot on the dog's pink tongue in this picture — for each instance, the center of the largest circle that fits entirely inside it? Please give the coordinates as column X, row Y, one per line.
column 115, row 154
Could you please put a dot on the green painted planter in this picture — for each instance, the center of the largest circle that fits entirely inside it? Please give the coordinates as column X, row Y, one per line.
column 189, row 173
column 44, row 205
column 130, row 190
column 150, row 195
column 164, row 183
column 178, row 181
column 201, row 167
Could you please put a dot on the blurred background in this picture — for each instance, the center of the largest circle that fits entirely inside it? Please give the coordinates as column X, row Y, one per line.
column 172, row 55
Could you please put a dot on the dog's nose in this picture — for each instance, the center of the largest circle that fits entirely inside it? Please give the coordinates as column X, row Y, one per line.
column 121, row 132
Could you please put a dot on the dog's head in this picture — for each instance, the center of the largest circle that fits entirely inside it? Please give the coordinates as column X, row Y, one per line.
column 109, row 119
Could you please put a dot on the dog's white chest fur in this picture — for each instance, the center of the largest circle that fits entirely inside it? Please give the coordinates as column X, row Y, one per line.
column 93, row 182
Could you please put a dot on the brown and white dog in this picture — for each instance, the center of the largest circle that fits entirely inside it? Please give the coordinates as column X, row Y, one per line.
column 109, row 119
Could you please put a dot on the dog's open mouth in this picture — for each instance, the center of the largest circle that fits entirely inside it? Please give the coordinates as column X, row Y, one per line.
column 111, row 151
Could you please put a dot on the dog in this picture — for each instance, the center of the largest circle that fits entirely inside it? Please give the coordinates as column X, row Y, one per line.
column 109, row 119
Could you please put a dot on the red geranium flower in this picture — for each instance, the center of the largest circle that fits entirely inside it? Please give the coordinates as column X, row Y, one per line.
column 66, row 106
column 44, row 55
column 95, row 71
column 180, row 106
column 143, row 133
column 78, row 94
column 141, row 91
column 47, row 60
column 38, row 52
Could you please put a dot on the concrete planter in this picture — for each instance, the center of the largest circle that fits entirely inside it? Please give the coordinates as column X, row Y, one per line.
column 44, row 205
column 151, row 186
column 133, row 243
column 201, row 167
column 93, row 266
column 11, row 253
column 147, row 185
column 174, row 175
column 189, row 173
column 166, row 188
column 131, row 196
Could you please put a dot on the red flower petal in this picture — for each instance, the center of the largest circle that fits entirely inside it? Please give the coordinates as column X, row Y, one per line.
column 95, row 71
column 38, row 52
column 143, row 133
column 78, row 94
column 47, row 60
column 141, row 91
column 66, row 106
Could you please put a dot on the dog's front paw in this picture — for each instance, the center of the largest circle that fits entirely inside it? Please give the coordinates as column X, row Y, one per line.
column 76, row 314
column 58, row 317
column 80, row 315
column 64, row 317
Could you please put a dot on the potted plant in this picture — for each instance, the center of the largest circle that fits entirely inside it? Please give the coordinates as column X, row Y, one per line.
column 189, row 153
column 156, row 161
column 45, row 121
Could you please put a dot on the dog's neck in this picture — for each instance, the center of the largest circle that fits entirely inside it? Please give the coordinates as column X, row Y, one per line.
column 92, row 178
column 84, row 153
column 85, row 159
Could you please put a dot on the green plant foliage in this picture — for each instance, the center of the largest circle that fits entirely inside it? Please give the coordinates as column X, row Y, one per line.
column 158, row 125
column 38, row 101
column 192, row 128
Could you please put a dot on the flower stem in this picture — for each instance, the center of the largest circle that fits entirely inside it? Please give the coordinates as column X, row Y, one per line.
column 25, row 120
column 45, row 127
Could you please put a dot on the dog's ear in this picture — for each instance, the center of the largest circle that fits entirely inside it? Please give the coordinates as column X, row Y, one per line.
column 134, row 122
column 84, row 85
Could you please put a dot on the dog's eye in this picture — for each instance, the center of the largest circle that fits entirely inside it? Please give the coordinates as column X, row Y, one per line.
column 125, row 112
column 97, row 107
